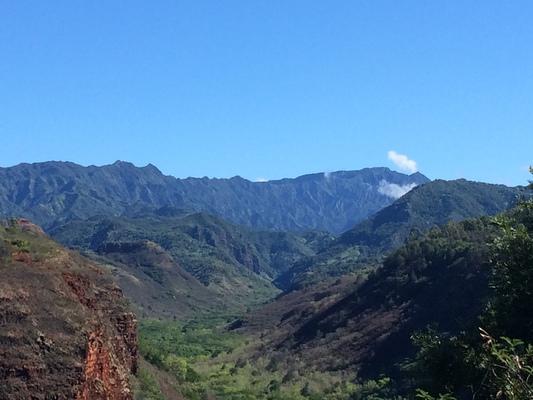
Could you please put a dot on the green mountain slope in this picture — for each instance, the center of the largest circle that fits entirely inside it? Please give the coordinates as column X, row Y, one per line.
column 432, row 204
column 156, row 284
column 365, row 325
column 172, row 263
column 435, row 203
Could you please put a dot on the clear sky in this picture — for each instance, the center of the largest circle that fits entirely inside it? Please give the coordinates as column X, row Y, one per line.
column 270, row 89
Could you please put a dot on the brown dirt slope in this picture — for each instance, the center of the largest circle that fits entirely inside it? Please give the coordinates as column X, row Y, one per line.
column 65, row 328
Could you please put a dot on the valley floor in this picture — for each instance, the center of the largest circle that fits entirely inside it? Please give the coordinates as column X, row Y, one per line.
column 200, row 359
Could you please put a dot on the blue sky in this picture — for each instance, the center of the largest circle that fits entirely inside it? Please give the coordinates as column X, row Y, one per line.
column 270, row 89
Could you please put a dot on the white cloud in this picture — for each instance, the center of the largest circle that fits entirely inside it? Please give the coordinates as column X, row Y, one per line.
column 261, row 180
column 394, row 190
column 327, row 174
column 403, row 162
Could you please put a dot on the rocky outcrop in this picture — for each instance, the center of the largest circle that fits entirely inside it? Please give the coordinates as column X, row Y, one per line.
column 104, row 374
column 65, row 328
column 28, row 226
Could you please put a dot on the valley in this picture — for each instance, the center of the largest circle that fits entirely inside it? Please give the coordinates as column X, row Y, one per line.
column 266, row 200
column 234, row 307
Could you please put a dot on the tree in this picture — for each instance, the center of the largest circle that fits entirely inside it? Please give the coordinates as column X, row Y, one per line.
column 501, row 361
column 176, row 365
column 510, row 312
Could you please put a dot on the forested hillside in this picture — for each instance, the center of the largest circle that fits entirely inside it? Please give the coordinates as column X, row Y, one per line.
column 175, row 264
column 427, row 206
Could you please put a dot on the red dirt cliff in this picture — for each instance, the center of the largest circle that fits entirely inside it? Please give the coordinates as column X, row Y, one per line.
column 65, row 328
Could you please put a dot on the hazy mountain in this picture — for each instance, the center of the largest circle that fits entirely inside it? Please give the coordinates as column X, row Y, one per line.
column 58, row 191
column 426, row 206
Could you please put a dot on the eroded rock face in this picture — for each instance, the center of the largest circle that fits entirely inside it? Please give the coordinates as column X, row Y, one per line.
column 65, row 328
column 107, row 368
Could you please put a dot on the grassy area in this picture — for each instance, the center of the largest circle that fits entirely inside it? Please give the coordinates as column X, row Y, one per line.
column 167, row 343
column 210, row 363
column 14, row 240
column 147, row 387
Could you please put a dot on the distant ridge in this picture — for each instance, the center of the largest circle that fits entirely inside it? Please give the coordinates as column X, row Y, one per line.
column 56, row 191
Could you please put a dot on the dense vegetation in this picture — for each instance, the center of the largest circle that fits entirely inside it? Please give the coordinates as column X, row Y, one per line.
column 496, row 360
column 315, row 358
column 208, row 362
column 416, row 318
column 184, row 263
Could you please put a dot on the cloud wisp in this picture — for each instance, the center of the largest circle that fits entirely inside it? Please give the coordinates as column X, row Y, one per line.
column 403, row 162
column 394, row 190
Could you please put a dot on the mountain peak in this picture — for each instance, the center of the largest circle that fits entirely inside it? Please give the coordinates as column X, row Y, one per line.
column 121, row 163
column 419, row 175
column 152, row 168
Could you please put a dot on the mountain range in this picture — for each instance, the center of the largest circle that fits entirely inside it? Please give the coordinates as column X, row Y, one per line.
column 53, row 192
column 365, row 324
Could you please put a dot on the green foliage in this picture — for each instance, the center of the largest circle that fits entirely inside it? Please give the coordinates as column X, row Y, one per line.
column 173, row 345
column 509, row 363
column 443, row 363
column 500, row 366
column 21, row 245
column 380, row 389
column 148, row 389
column 423, row 395
column 207, row 362
column 14, row 239
column 512, row 307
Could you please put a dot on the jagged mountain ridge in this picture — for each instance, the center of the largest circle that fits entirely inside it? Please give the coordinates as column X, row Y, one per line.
column 51, row 192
